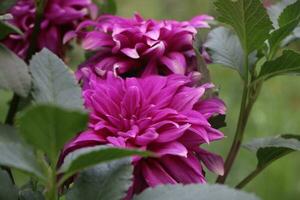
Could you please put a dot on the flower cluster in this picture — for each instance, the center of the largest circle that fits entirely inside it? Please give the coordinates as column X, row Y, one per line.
column 140, row 92
column 59, row 17
column 139, row 47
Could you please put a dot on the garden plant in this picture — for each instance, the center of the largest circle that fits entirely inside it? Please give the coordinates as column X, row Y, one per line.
column 135, row 118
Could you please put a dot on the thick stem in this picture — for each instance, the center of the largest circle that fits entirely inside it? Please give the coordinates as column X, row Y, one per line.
column 52, row 193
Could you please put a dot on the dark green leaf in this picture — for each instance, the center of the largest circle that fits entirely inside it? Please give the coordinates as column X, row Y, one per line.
column 225, row 49
column 6, row 4
column 53, row 82
column 6, row 29
column 272, row 148
column 14, row 153
column 14, row 73
column 290, row 13
column 90, row 156
column 7, row 189
column 29, row 194
column 288, row 63
column 248, row 18
column 31, row 190
column 192, row 192
column 48, row 128
column 109, row 181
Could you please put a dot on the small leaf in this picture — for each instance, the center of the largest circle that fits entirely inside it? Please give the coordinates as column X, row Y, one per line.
column 53, row 82
column 272, row 148
column 7, row 189
column 281, row 11
column 288, row 21
column 6, row 4
column 290, row 13
column 87, row 157
column 16, row 154
column 108, row 181
column 7, row 28
column 292, row 37
column 281, row 33
column 288, row 63
column 225, row 49
column 194, row 191
column 249, row 20
column 14, row 73
column 48, row 128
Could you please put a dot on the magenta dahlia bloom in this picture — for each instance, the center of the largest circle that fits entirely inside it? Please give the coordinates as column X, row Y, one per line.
column 138, row 47
column 60, row 17
column 161, row 114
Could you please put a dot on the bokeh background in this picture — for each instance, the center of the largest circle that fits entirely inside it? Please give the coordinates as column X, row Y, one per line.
column 277, row 110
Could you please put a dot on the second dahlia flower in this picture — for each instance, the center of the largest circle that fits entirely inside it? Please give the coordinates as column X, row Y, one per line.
column 139, row 47
column 60, row 17
column 161, row 114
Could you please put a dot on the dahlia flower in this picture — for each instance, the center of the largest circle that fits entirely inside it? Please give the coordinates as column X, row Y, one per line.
column 60, row 17
column 138, row 47
column 161, row 114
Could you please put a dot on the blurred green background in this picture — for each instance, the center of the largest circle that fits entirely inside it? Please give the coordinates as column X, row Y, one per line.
column 276, row 112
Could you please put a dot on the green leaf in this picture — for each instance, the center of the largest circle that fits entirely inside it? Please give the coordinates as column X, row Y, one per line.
column 6, row 4
column 288, row 21
column 248, row 18
column 29, row 194
column 225, row 49
column 288, row 63
column 109, row 181
column 31, row 190
column 7, row 189
column 292, row 37
column 53, row 82
column 272, row 148
column 281, row 11
column 7, row 28
column 14, row 73
column 194, row 191
column 87, row 157
column 290, row 13
column 280, row 34
column 48, row 127
column 16, row 154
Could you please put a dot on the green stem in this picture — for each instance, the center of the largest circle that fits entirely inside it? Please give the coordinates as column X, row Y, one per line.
column 52, row 189
column 243, row 116
column 249, row 178
column 241, row 125
column 13, row 108
column 36, row 29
